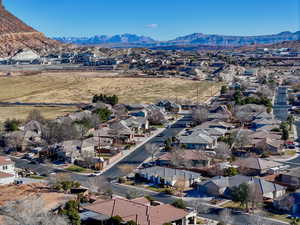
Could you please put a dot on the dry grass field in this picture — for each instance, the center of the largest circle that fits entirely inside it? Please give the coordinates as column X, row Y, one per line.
column 21, row 112
column 80, row 87
column 59, row 88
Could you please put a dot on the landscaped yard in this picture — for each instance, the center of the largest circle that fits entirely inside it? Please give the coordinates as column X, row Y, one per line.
column 78, row 169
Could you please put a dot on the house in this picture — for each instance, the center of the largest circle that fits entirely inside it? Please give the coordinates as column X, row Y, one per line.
column 21, row 140
column 290, row 178
column 137, row 210
column 289, row 204
column 137, row 124
column 222, row 186
column 25, row 56
column 121, row 131
column 255, row 166
column 198, row 138
column 188, row 158
column 169, row 176
column 265, row 141
column 7, row 171
column 67, row 151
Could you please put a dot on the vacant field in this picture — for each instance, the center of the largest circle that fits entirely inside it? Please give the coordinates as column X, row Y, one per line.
column 21, row 112
column 62, row 88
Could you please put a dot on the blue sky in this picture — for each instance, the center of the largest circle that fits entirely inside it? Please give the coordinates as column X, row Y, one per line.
column 160, row 19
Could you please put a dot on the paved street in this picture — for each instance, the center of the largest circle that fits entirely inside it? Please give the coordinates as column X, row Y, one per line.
column 140, row 155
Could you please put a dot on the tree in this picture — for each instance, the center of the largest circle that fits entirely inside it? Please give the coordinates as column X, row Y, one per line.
column 156, row 117
column 285, row 134
column 240, row 194
column 200, row 115
column 226, row 217
column 30, row 211
column 290, row 121
column 11, row 125
column 255, row 196
column 179, row 203
column 223, row 151
column 55, row 132
column 71, row 212
column 36, row 116
column 224, row 89
column 180, row 185
column 112, row 100
column 103, row 114
column 152, row 148
column 231, row 171
column 115, row 220
column 99, row 185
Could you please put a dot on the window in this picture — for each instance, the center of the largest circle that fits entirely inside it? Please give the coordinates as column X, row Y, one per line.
column 5, row 167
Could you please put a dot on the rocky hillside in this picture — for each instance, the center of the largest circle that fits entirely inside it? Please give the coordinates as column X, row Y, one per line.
column 16, row 35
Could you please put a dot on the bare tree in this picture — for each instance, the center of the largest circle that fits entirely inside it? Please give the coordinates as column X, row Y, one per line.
column 30, row 211
column 152, row 149
column 223, row 151
column 156, row 117
column 176, row 157
column 200, row 115
column 180, row 185
column 56, row 132
column 99, row 185
column 126, row 168
column 36, row 116
column 255, row 219
column 226, row 217
column 255, row 196
column 200, row 206
column 14, row 141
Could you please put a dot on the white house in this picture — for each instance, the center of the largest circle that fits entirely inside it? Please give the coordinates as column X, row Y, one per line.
column 7, row 171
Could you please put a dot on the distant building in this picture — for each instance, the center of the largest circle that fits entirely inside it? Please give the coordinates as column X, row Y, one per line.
column 7, row 171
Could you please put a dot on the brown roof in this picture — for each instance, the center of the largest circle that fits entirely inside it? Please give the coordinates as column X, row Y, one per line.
column 5, row 161
column 187, row 155
column 256, row 163
column 140, row 213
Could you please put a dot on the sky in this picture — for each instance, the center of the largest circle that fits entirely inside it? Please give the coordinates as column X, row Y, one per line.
column 160, row 19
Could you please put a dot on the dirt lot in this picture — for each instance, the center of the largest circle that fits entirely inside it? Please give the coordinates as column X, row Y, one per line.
column 80, row 87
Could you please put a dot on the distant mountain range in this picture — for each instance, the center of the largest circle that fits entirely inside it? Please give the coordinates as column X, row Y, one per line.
column 105, row 39
column 132, row 40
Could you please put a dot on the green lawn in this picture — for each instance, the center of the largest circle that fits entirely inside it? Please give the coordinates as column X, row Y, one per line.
column 78, row 169
column 36, row 177
column 279, row 217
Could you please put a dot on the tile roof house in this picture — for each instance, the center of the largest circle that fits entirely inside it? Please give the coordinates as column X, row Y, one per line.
column 221, row 186
column 139, row 212
column 169, row 176
column 7, row 170
column 255, row 166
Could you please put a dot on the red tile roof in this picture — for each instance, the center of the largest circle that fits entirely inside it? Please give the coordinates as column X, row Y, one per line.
column 138, row 212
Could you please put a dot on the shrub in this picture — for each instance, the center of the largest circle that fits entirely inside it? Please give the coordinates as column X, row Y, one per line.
column 179, row 203
column 11, row 125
